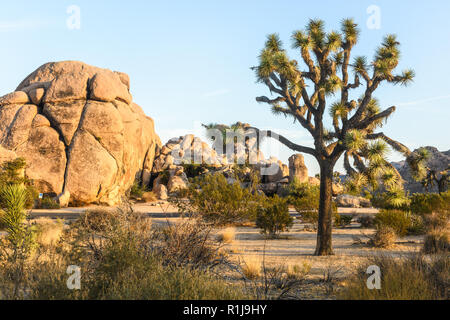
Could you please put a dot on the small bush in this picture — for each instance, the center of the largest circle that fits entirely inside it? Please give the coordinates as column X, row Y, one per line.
column 227, row 236
column 311, row 217
column 366, row 221
column 342, row 220
column 303, row 196
column 273, row 217
column 48, row 231
column 425, row 203
column 411, row 278
column 218, row 202
column 251, row 268
column 13, row 173
column 149, row 197
column 47, row 203
column 417, row 225
column 398, row 220
column 137, row 190
column 384, row 237
column 436, row 220
column 437, row 241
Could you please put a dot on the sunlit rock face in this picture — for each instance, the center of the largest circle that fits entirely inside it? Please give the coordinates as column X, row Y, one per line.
column 79, row 131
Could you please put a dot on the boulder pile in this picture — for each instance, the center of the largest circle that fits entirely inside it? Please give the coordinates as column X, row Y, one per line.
column 79, row 131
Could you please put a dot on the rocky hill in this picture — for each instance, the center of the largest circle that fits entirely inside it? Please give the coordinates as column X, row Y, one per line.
column 438, row 161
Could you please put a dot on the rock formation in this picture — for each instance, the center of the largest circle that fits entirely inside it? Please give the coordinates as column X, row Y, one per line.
column 82, row 136
column 438, row 161
column 297, row 168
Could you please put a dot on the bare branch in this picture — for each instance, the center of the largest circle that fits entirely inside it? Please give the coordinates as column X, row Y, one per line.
column 285, row 141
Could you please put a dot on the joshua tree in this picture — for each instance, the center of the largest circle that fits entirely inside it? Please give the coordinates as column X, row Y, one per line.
column 303, row 90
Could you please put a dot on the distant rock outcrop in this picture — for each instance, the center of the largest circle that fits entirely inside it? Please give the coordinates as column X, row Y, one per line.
column 438, row 161
column 82, row 136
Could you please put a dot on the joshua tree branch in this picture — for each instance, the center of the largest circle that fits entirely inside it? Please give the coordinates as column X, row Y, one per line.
column 394, row 144
column 285, row 141
column 366, row 122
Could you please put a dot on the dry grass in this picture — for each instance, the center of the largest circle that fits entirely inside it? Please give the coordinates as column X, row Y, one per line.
column 251, row 267
column 384, row 237
column 227, row 235
column 149, row 197
column 295, row 271
column 49, row 231
column 437, row 241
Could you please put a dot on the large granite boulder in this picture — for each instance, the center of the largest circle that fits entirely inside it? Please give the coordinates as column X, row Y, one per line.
column 82, row 136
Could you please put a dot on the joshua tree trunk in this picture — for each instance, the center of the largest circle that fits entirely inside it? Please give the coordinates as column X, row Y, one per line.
column 324, row 245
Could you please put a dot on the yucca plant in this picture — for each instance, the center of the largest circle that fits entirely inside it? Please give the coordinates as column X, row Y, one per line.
column 302, row 91
column 19, row 243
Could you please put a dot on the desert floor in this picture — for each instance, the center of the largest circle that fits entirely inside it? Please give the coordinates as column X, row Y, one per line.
column 295, row 247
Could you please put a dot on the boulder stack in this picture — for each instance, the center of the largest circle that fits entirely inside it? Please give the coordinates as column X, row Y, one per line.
column 79, row 131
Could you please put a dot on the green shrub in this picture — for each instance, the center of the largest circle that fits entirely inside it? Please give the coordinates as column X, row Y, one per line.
column 47, row 203
column 13, row 172
column 410, row 278
column 219, row 202
column 303, row 196
column 193, row 170
column 342, row 220
column 273, row 217
column 417, row 225
column 311, row 217
column 137, row 190
column 423, row 203
column 398, row 220
column 392, row 199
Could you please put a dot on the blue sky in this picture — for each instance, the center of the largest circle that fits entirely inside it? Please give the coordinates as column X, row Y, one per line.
column 189, row 60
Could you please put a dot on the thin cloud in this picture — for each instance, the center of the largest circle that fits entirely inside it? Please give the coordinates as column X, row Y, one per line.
column 216, row 93
column 416, row 102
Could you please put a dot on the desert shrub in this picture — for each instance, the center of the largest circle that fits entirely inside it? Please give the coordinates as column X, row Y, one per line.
column 19, row 243
column 424, row 203
column 303, row 196
column 13, row 173
column 227, row 235
column 436, row 220
column 193, row 170
column 398, row 220
column 384, row 237
column 251, row 268
column 437, row 241
column 342, row 220
column 392, row 199
column 408, row 278
column 305, row 199
column 366, row 221
column 137, row 190
column 48, row 231
column 218, row 202
column 47, row 203
column 187, row 243
column 417, row 225
column 122, row 257
column 149, row 197
column 273, row 217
